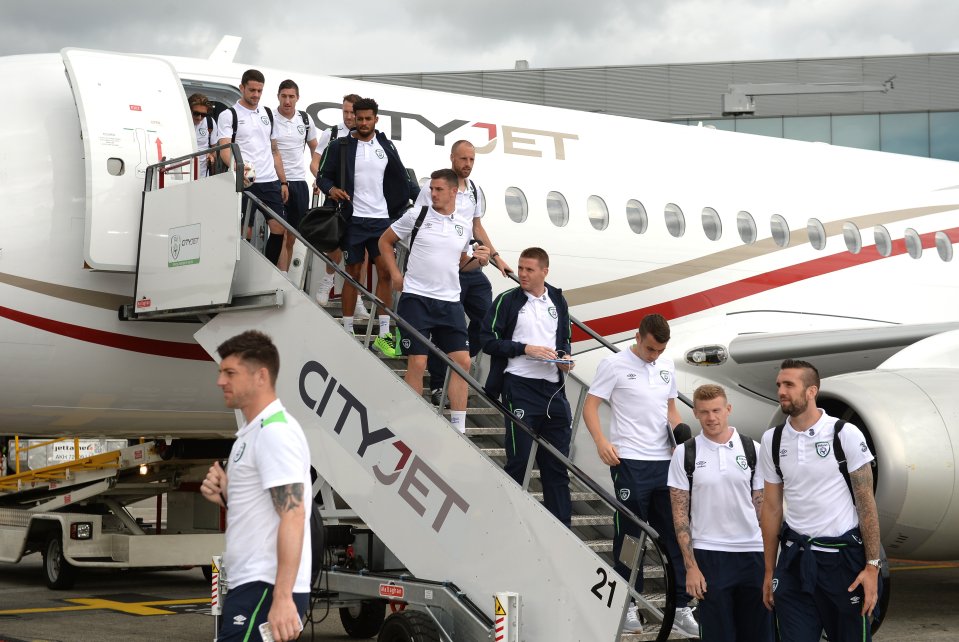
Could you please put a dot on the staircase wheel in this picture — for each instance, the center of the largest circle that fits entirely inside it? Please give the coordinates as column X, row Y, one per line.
column 364, row 620
column 409, row 626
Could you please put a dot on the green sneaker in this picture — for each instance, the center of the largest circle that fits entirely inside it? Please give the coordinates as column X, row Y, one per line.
column 387, row 345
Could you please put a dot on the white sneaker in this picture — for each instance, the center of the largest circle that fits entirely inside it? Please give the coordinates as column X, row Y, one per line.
column 685, row 624
column 360, row 313
column 632, row 624
column 323, row 293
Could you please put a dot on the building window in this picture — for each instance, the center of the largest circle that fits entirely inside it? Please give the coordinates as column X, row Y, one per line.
column 746, row 226
column 516, row 205
column 852, row 237
column 944, row 135
column 816, row 233
column 913, row 243
column 598, row 212
column 883, row 240
column 904, row 133
column 779, row 229
column 761, row 126
column 944, row 246
column 812, row 129
column 856, row 131
column 557, row 208
column 675, row 220
column 712, row 225
column 636, row 216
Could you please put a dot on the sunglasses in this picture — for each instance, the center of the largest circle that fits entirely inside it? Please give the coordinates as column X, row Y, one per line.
column 200, row 114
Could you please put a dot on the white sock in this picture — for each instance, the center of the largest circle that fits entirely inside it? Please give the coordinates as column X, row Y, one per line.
column 359, row 301
column 458, row 420
column 348, row 324
column 384, row 325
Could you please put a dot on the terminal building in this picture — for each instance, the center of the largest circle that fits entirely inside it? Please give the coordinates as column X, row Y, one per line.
column 901, row 104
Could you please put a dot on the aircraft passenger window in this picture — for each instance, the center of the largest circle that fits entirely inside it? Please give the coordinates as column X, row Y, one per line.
column 598, row 212
column 636, row 216
column 852, row 237
column 675, row 220
column 883, row 240
column 913, row 243
column 944, row 246
column 712, row 225
column 516, row 206
column 557, row 208
column 779, row 229
column 816, row 233
column 746, row 226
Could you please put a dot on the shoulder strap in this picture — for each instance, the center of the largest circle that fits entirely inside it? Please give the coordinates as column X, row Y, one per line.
column 334, row 131
column 233, row 112
column 306, row 126
column 344, row 147
column 473, row 189
column 269, row 114
column 209, row 130
column 777, row 440
column 416, row 228
column 840, row 454
column 689, row 460
column 749, row 449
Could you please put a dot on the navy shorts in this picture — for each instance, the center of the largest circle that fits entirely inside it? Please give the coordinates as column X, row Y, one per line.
column 247, row 606
column 443, row 321
column 270, row 194
column 297, row 203
column 363, row 236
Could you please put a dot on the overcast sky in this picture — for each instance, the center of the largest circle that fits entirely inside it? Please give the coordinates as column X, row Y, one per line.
column 374, row 36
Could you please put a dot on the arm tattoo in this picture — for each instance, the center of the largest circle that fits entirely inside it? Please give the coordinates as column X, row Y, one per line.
column 758, row 502
column 273, row 147
column 287, row 498
column 866, row 507
column 684, row 537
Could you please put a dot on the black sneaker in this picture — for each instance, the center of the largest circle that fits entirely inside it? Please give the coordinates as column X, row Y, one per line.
column 435, row 395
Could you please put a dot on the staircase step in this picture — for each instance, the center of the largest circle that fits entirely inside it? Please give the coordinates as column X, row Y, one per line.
column 599, row 545
column 592, row 520
column 484, row 431
column 576, row 496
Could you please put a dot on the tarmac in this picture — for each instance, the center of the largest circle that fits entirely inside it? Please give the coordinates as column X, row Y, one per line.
column 108, row 606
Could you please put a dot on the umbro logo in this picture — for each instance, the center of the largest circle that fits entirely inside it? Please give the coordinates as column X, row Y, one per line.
column 239, row 620
column 631, row 376
column 855, row 599
column 783, row 452
column 700, row 464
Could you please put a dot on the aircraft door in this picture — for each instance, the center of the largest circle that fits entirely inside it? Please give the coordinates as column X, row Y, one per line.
column 133, row 112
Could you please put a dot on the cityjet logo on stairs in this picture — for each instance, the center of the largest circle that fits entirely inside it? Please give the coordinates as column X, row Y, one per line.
column 411, row 472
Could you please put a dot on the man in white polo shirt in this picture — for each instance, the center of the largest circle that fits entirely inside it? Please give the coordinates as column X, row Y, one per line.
column 377, row 191
column 827, row 574
column 251, row 127
column 640, row 385
column 431, row 289
column 295, row 132
column 526, row 332
column 716, row 496
column 266, row 491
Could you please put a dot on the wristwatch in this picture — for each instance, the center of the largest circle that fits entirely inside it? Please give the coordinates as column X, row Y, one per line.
column 876, row 563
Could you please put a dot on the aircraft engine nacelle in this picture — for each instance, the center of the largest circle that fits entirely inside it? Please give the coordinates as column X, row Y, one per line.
column 911, row 420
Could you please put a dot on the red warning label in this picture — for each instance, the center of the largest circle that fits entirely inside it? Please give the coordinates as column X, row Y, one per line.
column 144, row 303
column 135, row 108
column 392, row 591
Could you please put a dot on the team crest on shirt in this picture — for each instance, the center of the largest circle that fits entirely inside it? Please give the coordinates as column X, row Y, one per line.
column 406, row 344
column 862, row 446
column 623, row 494
column 301, row 129
column 664, row 374
column 775, row 584
column 519, row 412
column 265, row 120
column 741, row 460
column 380, row 154
column 822, row 448
column 552, row 311
column 237, row 456
column 459, row 230
column 202, row 131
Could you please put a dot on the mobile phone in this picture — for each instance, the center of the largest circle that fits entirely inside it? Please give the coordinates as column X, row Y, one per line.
column 266, row 632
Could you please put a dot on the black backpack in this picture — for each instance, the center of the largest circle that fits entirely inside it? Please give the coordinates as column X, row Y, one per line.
column 689, row 461
column 837, row 451
column 306, row 125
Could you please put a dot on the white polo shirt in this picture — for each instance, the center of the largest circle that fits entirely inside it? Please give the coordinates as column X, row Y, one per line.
column 269, row 451
column 723, row 517
column 467, row 205
column 536, row 324
column 433, row 266
column 253, row 135
column 817, row 501
column 203, row 138
column 638, row 393
column 368, row 198
column 291, row 141
column 324, row 139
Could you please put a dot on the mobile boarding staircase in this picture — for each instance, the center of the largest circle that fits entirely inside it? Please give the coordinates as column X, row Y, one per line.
column 464, row 531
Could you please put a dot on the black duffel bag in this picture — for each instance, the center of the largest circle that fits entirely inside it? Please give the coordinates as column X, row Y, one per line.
column 324, row 227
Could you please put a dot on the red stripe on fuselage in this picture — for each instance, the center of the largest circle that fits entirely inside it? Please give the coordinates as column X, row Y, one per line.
column 157, row 347
column 683, row 306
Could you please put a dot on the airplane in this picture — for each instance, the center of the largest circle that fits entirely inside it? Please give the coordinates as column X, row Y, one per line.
column 755, row 248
